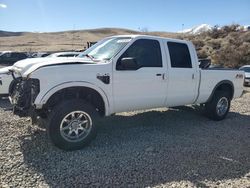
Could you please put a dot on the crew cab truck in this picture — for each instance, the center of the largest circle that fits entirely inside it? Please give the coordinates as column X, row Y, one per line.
column 118, row 74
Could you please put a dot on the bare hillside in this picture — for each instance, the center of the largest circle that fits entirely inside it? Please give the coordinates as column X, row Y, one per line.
column 57, row 41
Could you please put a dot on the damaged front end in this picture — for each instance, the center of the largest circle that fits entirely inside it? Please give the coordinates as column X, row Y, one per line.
column 23, row 95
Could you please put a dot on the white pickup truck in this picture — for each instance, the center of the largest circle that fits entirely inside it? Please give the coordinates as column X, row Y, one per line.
column 119, row 73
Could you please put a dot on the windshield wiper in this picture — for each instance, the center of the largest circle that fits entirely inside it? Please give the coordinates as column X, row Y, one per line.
column 90, row 57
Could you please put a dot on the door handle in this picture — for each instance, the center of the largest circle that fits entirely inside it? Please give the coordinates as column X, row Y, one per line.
column 162, row 75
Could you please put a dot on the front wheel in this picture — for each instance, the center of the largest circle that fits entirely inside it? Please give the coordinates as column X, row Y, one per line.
column 218, row 108
column 72, row 124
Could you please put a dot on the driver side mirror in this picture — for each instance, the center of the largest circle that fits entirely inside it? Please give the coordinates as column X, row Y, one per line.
column 128, row 63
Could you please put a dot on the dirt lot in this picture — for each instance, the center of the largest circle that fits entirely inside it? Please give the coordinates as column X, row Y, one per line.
column 159, row 148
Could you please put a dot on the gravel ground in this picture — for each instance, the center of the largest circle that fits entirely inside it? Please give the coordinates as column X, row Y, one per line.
column 175, row 147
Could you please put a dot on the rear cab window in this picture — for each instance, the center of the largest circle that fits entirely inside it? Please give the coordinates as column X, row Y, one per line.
column 179, row 55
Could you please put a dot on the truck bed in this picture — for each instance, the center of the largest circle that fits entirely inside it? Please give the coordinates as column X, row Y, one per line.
column 210, row 77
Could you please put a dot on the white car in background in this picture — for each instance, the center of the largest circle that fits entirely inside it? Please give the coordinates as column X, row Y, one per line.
column 246, row 69
column 5, row 81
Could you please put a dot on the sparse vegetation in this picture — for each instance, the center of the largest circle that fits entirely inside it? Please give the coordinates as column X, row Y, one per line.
column 228, row 46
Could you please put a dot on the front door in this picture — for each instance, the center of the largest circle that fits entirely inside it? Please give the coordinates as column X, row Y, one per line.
column 144, row 86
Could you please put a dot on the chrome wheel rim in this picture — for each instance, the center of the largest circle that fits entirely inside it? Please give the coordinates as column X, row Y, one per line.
column 75, row 126
column 222, row 106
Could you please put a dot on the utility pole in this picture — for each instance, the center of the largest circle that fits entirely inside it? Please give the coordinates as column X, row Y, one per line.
column 182, row 30
column 73, row 37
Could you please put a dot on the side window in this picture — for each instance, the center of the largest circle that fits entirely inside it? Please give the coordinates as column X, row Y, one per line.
column 15, row 55
column 22, row 55
column 146, row 52
column 179, row 55
column 6, row 55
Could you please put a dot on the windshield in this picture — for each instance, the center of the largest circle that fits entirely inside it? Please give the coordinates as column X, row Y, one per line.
column 246, row 69
column 106, row 49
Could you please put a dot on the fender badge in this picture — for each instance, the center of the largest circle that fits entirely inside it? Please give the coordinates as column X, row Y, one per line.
column 104, row 78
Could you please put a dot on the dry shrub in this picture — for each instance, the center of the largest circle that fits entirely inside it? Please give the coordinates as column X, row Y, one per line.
column 215, row 44
column 198, row 43
column 233, row 56
column 226, row 47
column 202, row 54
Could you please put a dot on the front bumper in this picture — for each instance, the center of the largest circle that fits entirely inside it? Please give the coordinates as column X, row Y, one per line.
column 247, row 82
column 23, row 96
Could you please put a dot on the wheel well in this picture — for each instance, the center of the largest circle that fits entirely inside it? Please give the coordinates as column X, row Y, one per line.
column 228, row 87
column 88, row 94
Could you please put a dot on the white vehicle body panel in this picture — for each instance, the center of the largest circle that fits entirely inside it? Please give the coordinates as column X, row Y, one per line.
column 247, row 74
column 25, row 67
column 81, row 75
column 210, row 78
column 62, row 54
column 142, row 89
column 5, row 80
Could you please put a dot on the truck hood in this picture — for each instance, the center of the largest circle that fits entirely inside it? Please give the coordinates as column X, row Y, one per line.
column 25, row 67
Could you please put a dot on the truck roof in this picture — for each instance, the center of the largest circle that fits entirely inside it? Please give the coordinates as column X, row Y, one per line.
column 152, row 37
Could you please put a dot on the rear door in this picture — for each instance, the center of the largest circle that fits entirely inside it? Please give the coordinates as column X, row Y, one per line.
column 182, row 75
column 145, row 87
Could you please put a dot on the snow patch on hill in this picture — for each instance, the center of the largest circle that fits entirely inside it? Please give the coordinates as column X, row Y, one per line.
column 197, row 29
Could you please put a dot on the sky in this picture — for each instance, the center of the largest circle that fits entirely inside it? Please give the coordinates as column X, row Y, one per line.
column 154, row 15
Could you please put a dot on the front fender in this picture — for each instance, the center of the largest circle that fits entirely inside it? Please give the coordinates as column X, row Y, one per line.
column 42, row 98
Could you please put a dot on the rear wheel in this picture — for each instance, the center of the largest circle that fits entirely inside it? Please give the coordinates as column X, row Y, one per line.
column 217, row 109
column 72, row 124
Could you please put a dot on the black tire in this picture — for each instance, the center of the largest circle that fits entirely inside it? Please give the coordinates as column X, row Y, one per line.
column 211, row 106
column 57, row 119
